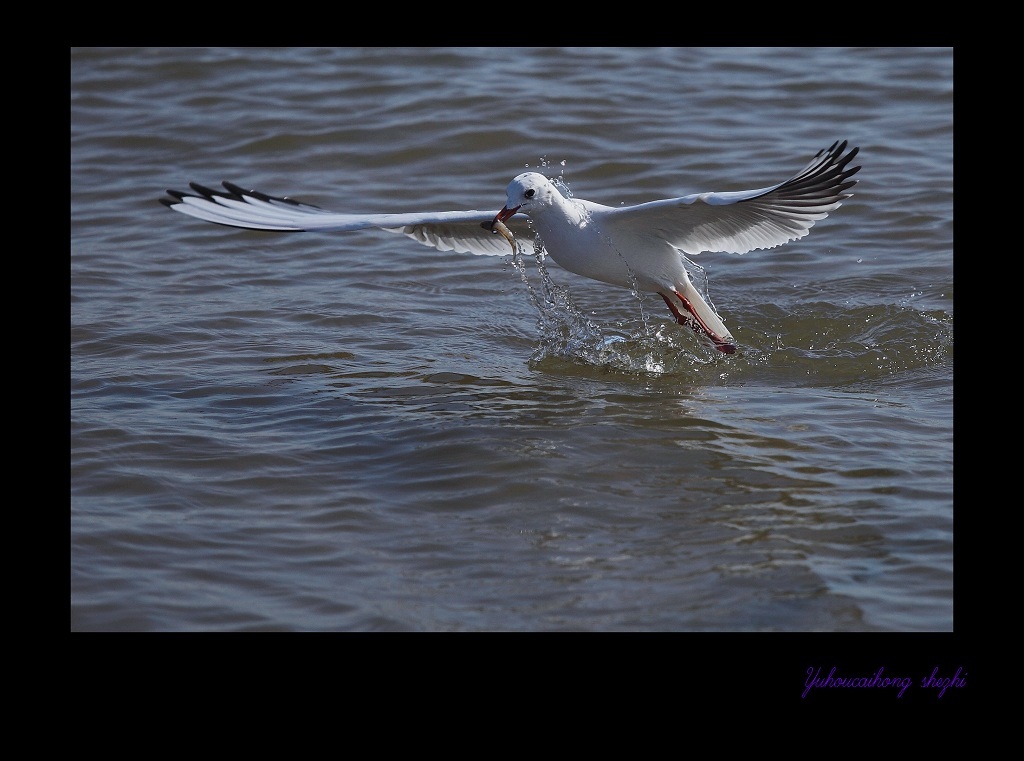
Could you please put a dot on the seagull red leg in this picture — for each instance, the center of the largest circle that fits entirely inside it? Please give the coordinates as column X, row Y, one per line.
column 696, row 323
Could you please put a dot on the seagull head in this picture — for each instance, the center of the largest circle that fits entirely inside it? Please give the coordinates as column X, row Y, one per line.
column 528, row 193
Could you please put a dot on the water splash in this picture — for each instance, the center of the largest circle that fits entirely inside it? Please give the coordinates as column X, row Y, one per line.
column 567, row 334
column 561, row 323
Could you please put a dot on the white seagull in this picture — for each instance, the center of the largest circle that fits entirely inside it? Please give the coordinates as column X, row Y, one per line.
column 630, row 246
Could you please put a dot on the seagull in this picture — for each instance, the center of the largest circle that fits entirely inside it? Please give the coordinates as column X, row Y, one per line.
column 639, row 247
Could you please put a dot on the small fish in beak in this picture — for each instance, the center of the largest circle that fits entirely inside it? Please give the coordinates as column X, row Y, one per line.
column 497, row 226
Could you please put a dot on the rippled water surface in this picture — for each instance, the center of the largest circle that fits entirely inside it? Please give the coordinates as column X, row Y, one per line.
column 354, row 432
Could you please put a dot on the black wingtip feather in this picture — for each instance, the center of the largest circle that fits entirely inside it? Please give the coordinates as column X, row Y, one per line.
column 241, row 193
column 210, row 193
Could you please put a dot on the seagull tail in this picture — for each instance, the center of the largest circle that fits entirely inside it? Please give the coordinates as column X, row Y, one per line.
column 690, row 308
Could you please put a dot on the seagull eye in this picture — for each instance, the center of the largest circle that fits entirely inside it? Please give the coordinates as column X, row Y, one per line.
column 530, row 193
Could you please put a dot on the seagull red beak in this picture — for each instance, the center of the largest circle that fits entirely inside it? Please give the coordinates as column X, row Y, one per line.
column 504, row 214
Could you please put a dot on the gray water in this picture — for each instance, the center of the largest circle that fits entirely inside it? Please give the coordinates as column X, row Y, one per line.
column 354, row 432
